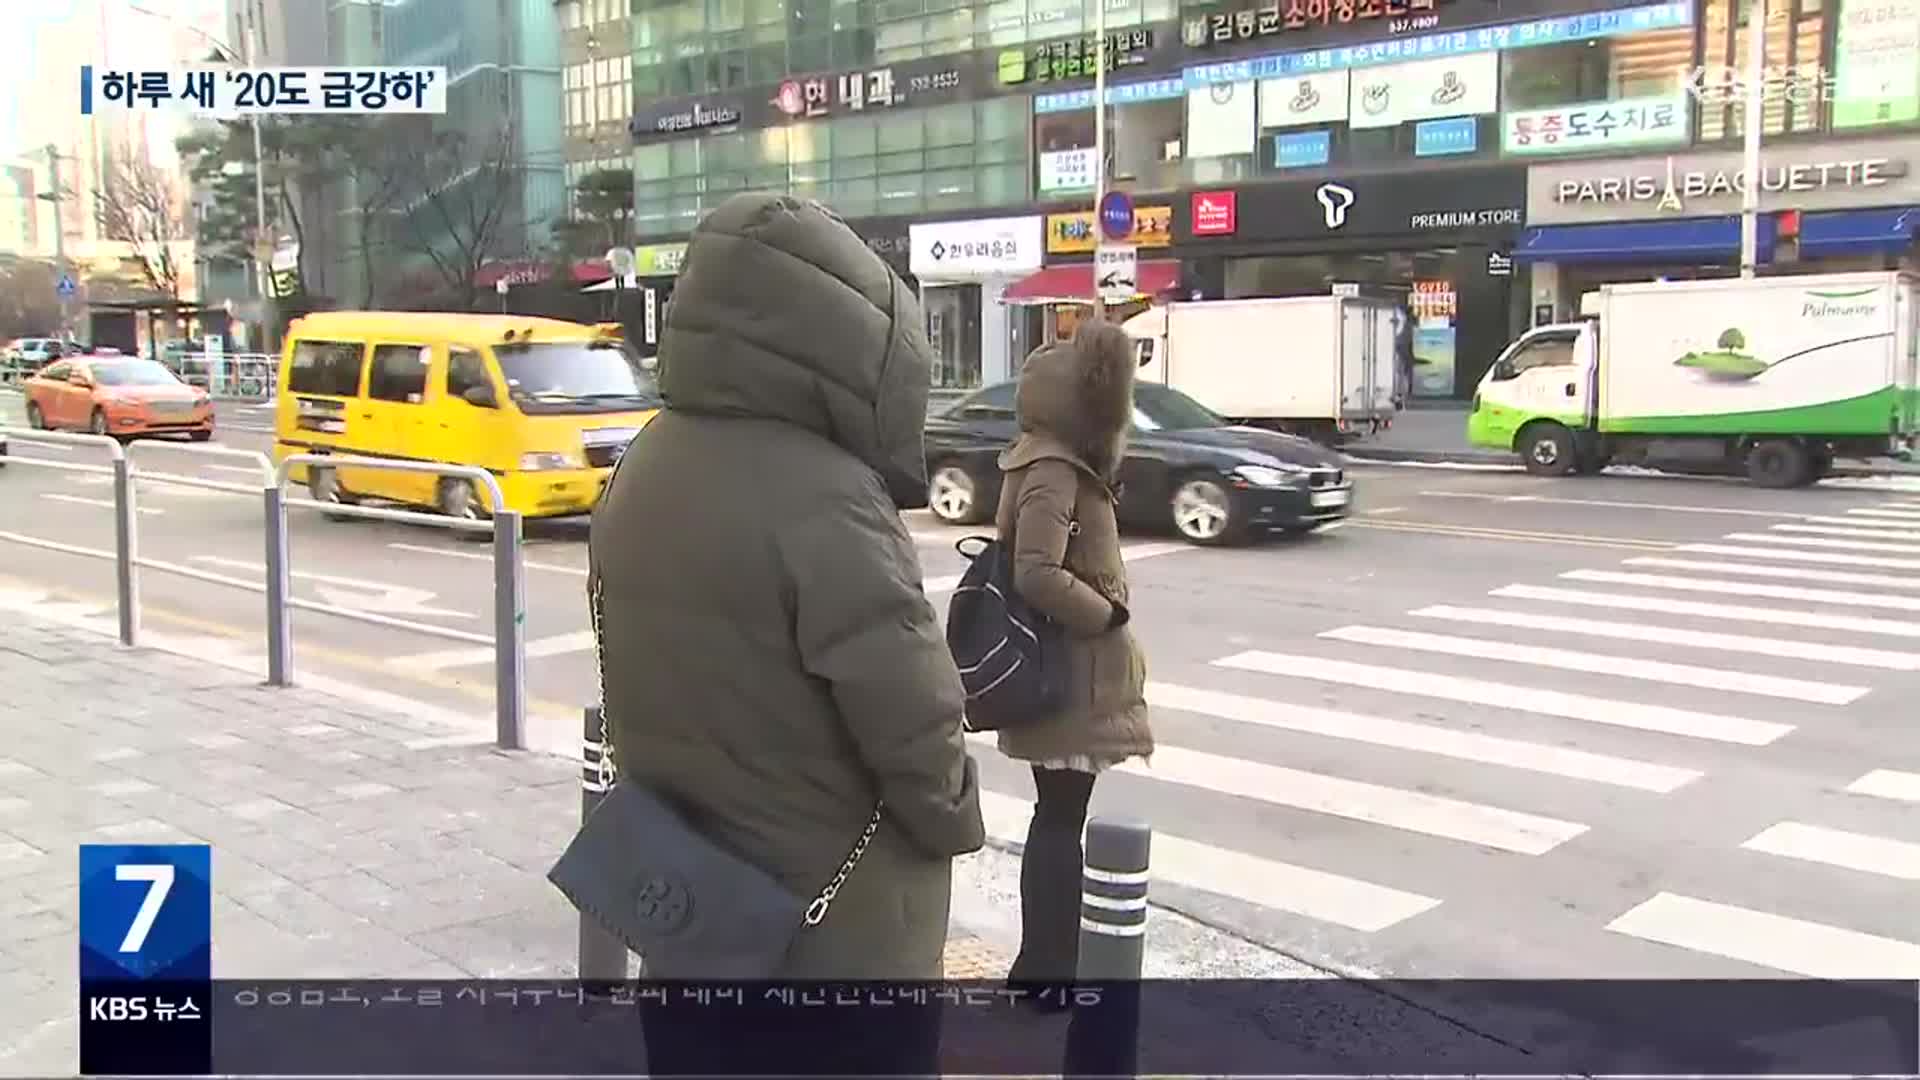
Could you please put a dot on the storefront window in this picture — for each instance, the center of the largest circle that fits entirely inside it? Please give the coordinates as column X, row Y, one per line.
column 1797, row 76
column 1876, row 63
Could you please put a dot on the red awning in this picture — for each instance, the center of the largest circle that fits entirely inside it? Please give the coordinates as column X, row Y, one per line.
column 1073, row 283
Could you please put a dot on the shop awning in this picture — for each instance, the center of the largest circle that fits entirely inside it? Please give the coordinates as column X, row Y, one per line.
column 1073, row 283
column 1849, row 232
column 1640, row 241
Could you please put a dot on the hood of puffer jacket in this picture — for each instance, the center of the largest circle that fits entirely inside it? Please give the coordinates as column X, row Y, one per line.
column 1079, row 394
column 782, row 313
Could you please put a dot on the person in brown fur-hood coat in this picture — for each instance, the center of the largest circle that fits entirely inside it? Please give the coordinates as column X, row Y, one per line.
column 1056, row 514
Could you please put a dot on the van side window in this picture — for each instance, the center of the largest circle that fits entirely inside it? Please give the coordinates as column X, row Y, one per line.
column 399, row 373
column 465, row 370
column 325, row 367
column 1544, row 352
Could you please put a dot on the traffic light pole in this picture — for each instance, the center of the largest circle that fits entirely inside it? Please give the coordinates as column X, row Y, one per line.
column 1099, row 137
column 56, row 195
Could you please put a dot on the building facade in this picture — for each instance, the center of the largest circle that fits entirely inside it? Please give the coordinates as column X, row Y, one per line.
column 1447, row 153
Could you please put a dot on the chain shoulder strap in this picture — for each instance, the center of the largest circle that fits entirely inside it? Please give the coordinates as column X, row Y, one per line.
column 817, row 910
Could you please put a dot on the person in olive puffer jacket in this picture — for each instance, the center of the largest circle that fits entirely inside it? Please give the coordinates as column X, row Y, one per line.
column 1075, row 405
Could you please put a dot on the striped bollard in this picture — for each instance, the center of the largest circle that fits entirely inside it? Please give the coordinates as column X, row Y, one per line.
column 1103, row 1037
column 603, row 957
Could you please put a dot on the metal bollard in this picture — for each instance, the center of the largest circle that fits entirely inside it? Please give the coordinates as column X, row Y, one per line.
column 126, row 550
column 509, row 633
column 279, row 586
column 603, row 957
column 1103, row 1038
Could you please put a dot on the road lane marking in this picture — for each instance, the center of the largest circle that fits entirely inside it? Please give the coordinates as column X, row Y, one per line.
column 551, row 568
column 1250, row 879
column 247, row 470
column 1783, row 554
column 1821, row 693
column 1837, row 847
column 105, row 504
column 539, row 648
column 1669, row 635
column 1131, row 554
column 1813, row 949
column 1384, row 510
column 1855, row 534
column 1818, row 542
column 1628, row 714
column 1791, row 573
column 1888, row 784
column 1894, row 512
column 58, row 448
column 1899, row 527
column 1422, row 738
column 372, row 596
column 1746, row 588
column 1481, row 533
column 1611, row 504
column 1725, row 612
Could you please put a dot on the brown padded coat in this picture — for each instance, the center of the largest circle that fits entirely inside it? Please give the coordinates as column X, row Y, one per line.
column 1075, row 405
column 772, row 664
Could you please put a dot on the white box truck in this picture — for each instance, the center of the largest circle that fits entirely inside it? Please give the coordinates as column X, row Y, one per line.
column 1774, row 377
column 1318, row 366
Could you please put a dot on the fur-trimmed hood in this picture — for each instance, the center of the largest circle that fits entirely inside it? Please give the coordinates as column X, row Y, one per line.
column 1078, row 396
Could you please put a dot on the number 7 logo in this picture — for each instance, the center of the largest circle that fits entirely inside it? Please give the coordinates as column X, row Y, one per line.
column 159, row 879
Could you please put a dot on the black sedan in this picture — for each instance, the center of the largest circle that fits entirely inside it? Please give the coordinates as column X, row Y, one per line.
column 1185, row 467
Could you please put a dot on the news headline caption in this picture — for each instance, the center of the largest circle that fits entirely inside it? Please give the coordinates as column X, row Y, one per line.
column 230, row 91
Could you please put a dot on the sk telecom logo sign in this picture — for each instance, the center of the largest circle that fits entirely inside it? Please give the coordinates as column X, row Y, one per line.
column 1335, row 201
column 1214, row 213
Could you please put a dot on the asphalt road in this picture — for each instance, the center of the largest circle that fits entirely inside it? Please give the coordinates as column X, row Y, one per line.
column 1495, row 726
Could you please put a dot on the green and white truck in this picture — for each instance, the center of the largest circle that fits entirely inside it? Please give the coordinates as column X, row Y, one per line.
column 1774, row 377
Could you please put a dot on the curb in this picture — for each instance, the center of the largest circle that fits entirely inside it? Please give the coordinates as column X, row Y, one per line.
column 1386, row 455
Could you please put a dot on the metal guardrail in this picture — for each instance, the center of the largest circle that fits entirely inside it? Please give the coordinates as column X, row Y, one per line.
column 509, row 639
column 230, row 376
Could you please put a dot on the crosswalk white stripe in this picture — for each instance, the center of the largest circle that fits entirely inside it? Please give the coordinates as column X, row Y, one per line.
column 1817, row 542
column 1422, row 738
column 1669, row 635
column 1790, row 573
column 1821, row 693
column 1733, row 612
column 1825, row 558
column 1813, row 949
column 1746, row 588
column 1900, row 526
column 1886, row 513
column 1373, row 804
column 1888, row 784
column 1837, row 847
column 1854, row 533
column 1597, row 710
column 1269, row 883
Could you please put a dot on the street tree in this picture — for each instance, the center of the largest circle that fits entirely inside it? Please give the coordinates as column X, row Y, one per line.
column 140, row 205
column 29, row 304
column 458, row 205
column 602, row 212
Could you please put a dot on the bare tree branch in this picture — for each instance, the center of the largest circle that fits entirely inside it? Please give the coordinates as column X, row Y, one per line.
column 458, row 204
column 139, row 205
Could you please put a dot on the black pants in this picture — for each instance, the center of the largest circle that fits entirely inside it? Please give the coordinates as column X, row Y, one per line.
column 1050, row 878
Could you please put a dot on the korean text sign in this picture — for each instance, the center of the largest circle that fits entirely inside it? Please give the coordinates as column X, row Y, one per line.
column 228, row 91
column 1600, row 125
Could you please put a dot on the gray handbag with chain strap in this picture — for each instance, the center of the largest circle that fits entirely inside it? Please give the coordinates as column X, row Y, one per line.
column 689, row 907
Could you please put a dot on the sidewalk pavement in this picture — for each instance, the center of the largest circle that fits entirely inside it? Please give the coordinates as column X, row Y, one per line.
column 350, row 839
column 1437, row 433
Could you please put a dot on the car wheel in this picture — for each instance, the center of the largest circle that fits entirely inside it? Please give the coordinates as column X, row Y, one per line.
column 1779, row 463
column 1546, row 449
column 34, row 419
column 953, row 494
column 324, row 486
column 1203, row 513
column 200, row 436
column 458, row 499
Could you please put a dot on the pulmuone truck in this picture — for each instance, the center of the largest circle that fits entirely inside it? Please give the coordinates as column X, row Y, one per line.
column 1774, row 377
column 1317, row 366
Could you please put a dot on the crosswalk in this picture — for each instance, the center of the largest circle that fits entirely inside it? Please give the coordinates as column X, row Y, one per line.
column 1539, row 731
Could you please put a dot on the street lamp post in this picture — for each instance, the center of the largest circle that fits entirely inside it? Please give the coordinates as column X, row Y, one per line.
column 56, row 195
column 1750, row 190
column 1099, row 138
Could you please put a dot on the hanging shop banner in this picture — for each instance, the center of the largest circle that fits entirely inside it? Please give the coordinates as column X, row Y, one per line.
column 1596, row 125
column 684, row 117
column 1169, row 89
column 1069, row 234
column 976, row 250
column 1877, row 63
column 1590, row 26
column 1389, row 96
column 1313, row 100
column 1068, row 170
column 1074, row 58
column 1235, row 25
column 1220, row 120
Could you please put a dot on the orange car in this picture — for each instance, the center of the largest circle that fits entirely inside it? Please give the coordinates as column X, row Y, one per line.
column 121, row 396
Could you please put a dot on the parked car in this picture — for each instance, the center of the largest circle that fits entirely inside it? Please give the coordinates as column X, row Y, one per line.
column 1185, row 467
column 24, row 356
column 121, row 396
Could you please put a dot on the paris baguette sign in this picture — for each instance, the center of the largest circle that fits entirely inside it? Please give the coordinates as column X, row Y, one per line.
column 1834, row 176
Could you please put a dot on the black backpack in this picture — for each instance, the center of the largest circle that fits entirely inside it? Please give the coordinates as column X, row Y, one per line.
column 1012, row 659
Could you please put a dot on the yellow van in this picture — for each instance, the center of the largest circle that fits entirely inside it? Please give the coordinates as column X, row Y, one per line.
column 546, row 406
